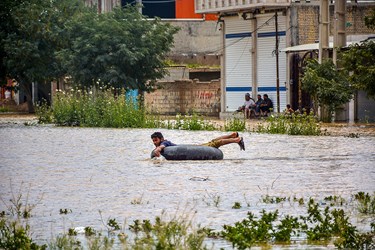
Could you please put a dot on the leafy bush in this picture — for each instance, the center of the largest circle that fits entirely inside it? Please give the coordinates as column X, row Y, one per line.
column 235, row 124
column 295, row 124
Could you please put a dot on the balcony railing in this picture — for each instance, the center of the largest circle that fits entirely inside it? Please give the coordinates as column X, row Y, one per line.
column 213, row 6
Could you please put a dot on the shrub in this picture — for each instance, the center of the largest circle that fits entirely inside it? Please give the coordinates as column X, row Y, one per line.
column 295, row 124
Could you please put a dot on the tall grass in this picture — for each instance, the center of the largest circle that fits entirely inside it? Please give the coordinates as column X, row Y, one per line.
column 111, row 108
column 102, row 108
column 96, row 108
column 295, row 124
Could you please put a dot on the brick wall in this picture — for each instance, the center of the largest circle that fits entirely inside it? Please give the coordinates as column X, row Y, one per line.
column 308, row 21
column 184, row 97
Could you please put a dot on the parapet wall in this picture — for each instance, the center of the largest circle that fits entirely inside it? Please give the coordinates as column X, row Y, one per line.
column 185, row 97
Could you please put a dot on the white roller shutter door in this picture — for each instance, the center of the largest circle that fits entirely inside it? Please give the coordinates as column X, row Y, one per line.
column 266, row 58
column 238, row 61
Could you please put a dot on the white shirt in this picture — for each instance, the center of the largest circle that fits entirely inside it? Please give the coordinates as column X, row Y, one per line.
column 249, row 104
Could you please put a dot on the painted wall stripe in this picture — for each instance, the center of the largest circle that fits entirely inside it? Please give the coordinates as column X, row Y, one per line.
column 268, row 34
column 270, row 89
column 249, row 34
column 238, row 89
column 238, row 35
column 260, row 89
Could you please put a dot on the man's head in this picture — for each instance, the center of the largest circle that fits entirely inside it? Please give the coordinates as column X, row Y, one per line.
column 247, row 96
column 157, row 138
column 265, row 96
column 259, row 96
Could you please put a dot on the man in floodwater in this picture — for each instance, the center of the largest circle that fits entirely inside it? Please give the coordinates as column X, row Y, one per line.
column 160, row 143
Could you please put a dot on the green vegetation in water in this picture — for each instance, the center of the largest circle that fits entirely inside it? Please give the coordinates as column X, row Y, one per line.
column 108, row 107
column 320, row 225
column 366, row 202
column 101, row 107
column 177, row 233
column 4, row 109
column 273, row 199
column 237, row 205
column 295, row 124
column 235, row 124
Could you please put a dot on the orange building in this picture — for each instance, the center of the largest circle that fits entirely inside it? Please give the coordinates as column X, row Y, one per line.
column 173, row 9
column 186, row 9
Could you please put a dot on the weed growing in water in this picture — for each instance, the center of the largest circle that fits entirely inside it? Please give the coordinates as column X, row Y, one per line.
column 14, row 225
column 137, row 201
column 294, row 124
column 366, row 202
column 237, row 205
column 193, row 122
column 214, row 198
column 235, row 124
column 65, row 211
column 320, row 224
column 273, row 199
column 177, row 233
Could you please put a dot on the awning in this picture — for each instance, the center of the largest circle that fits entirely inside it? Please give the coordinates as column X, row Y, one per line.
column 311, row 47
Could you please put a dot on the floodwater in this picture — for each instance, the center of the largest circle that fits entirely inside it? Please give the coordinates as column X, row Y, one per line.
column 87, row 170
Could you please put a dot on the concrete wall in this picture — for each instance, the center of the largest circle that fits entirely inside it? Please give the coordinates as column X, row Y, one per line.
column 197, row 41
column 184, row 97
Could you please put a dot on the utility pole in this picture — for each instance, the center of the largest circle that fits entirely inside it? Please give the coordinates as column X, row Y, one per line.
column 339, row 38
column 324, row 30
column 277, row 65
column 139, row 5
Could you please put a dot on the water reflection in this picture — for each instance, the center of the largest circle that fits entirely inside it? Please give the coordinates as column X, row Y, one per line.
column 92, row 169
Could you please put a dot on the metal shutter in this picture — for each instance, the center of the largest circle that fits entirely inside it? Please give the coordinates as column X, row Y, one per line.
column 238, row 61
column 266, row 58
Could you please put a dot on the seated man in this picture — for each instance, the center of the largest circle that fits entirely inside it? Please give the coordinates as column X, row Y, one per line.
column 248, row 106
column 266, row 106
column 257, row 105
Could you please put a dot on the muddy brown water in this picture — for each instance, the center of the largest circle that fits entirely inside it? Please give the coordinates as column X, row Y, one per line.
column 87, row 170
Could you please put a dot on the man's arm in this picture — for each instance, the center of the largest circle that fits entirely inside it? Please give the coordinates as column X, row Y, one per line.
column 158, row 149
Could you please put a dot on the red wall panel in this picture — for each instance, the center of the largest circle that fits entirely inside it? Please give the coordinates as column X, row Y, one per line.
column 185, row 9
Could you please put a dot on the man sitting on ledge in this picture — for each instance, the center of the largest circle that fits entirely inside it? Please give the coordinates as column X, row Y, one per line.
column 248, row 106
column 266, row 106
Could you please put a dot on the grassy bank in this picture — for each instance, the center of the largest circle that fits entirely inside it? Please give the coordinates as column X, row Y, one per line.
column 110, row 108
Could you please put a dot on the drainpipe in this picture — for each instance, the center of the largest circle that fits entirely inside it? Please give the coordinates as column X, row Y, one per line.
column 277, row 65
column 323, row 30
column 223, row 103
column 254, row 56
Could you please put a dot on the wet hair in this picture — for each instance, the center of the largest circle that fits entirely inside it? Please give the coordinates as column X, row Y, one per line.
column 157, row 135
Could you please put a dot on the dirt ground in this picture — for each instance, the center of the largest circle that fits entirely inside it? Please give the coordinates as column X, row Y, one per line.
column 333, row 129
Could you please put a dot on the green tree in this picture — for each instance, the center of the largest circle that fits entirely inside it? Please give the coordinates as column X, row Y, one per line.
column 120, row 48
column 360, row 61
column 6, row 26
column 328, row 87
column 35, row 33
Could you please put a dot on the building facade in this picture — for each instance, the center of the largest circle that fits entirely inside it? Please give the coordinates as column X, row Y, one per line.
column 255, row 35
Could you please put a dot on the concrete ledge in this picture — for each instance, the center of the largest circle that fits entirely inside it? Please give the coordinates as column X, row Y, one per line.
column 231, row 115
